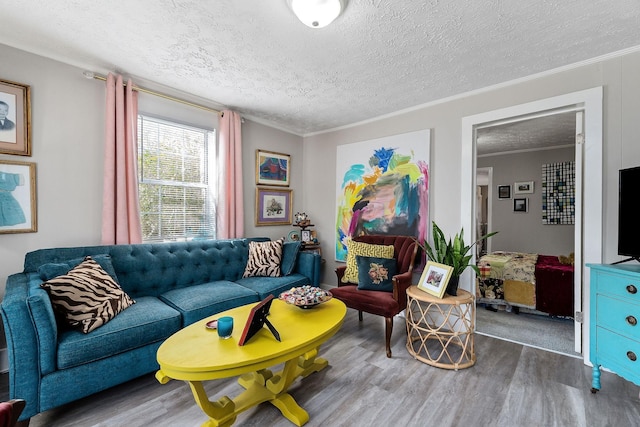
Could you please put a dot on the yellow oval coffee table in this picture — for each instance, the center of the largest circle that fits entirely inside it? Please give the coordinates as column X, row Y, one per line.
column 197, row 354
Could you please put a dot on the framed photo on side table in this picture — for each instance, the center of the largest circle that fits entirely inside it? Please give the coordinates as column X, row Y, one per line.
column 435, row 278
column 18, row 197
column 272, row 168
column 15, row 118
column 273, row 206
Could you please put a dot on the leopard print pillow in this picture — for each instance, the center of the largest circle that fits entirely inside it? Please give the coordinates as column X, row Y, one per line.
column 87, row 296
column 264, row 259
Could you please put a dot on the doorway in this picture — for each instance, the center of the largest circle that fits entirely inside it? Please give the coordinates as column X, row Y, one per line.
column 515, row 151
column 588, row 214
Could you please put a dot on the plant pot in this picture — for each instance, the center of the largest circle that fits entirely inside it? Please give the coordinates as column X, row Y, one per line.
column 452, row 286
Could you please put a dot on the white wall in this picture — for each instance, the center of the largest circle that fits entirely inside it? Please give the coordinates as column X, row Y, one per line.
column 621, row 85
column 524, row 231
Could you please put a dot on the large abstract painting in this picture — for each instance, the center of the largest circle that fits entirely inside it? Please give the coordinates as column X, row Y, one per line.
column 382, row 187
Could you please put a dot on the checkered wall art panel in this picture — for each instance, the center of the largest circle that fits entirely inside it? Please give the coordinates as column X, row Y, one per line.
column 558, row 193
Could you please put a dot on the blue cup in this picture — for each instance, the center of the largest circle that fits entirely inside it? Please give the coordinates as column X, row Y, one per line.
column 225, row 327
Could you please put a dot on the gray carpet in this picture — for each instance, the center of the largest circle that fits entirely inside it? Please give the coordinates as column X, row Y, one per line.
column 529, row 329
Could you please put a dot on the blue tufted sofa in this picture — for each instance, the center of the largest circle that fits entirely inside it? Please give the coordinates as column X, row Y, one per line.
column 173, row 284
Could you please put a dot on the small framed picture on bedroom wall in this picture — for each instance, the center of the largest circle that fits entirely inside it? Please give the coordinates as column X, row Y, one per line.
column 504, row 191
column 523, row 187
column 521, row 205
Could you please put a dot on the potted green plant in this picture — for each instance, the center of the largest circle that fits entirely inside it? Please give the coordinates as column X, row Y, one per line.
column 453, row 253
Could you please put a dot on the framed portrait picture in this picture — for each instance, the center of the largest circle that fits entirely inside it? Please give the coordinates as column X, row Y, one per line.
column 18, row 197
column 435, row 278
column 273, row 206
column 504, row 191
column 521, row 205
column 306, row 235
column 272, row 168
column 523, row 187
column 15, row 118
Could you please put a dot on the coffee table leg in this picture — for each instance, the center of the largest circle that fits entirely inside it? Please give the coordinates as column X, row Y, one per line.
column 260, row 386
column 222, row 413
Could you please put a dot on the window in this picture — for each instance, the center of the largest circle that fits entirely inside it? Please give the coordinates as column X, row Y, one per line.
column 176, row 180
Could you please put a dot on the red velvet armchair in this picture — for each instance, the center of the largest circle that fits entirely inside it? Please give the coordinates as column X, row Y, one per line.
column 386, row 304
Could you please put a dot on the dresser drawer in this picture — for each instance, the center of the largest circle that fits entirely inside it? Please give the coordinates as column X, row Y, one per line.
column 616, row 353
column 618, row 316
column 627, row 287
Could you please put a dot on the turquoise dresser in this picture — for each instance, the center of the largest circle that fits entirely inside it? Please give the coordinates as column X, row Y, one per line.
column 614, row 328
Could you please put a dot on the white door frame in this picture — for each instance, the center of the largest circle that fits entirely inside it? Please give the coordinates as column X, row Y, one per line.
column 489, row 172
column 590, row 100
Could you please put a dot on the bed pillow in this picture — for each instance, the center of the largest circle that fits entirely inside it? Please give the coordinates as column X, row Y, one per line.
column 86, row 296
column 264, row 259
column 363, row 249
column 54, row 269
column 375, row 274
column 289, row 256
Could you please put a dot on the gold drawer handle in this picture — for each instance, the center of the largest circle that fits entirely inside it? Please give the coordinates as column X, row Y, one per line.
column 632, row 289
column 631, row 355
column 632, row 320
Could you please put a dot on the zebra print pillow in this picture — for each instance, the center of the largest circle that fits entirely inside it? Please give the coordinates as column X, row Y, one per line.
column 87, row 297
column 264, row 259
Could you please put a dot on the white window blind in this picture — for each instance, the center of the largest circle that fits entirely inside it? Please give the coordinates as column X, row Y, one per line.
column 176, row 188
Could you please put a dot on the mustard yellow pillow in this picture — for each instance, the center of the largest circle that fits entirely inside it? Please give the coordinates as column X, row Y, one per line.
column 362, row 249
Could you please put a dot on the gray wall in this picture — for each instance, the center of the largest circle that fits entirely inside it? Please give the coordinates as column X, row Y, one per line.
column 524, row 231
column 618, row 76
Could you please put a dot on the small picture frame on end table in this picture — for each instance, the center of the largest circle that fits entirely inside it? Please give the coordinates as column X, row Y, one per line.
column 15, row 118
column 273, row 206
column 18, row 184
column 435, row 278
column 504, row 191
column 305, row 235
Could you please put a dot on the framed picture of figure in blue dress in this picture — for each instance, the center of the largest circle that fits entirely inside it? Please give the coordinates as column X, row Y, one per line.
column 272, row 168
column 18, row 213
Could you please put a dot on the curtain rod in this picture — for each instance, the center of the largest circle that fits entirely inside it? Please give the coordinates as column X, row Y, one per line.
column 92, row 75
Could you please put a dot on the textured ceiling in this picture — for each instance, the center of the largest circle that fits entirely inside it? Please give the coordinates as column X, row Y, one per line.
column 537, row 133
column 379, row 57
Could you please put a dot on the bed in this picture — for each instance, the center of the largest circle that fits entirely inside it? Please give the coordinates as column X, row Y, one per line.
column 524, row 280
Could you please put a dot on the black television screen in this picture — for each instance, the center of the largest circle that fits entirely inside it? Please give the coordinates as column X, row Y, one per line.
column 628, row 218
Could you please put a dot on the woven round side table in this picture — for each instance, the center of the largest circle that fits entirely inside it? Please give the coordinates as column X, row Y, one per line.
column 440, row 330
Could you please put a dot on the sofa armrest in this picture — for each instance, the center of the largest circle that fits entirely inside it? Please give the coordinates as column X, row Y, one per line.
column 309, row 265
column 23, row 342
column 401, row 283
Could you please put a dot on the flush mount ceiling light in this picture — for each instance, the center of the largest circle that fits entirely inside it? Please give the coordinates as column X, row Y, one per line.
column 317, row 13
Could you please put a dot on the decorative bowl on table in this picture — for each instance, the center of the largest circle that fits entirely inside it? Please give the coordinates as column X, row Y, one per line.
column 305, row 296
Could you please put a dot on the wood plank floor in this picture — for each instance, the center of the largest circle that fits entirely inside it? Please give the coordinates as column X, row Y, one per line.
column 510, row 385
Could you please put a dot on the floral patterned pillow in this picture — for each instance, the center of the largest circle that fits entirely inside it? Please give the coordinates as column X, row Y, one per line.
column 375, row 274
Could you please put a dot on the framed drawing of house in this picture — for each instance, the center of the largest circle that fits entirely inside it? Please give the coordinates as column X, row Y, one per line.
column 273, row 206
